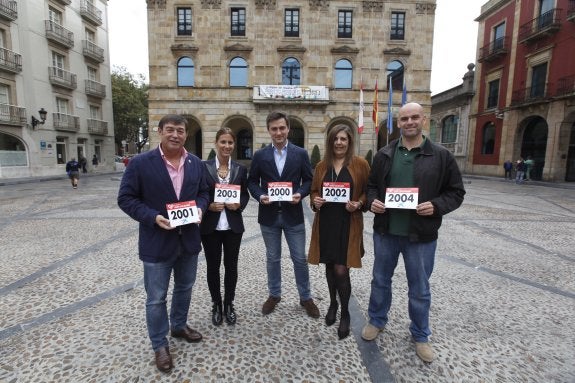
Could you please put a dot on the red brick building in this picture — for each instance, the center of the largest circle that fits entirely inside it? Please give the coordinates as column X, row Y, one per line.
column 525, row 83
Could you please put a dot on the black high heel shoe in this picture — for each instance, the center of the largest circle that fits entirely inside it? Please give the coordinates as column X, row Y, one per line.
column 217, row 317
column 331, row 314
column 343, row 329
column 230, row 313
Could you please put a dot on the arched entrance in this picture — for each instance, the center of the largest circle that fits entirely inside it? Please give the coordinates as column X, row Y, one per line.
column 384, row 138
column 534, row 145
column 296, row 133
column 570, row 174
column 194, row 141
column 243, row 129
column 12, row 151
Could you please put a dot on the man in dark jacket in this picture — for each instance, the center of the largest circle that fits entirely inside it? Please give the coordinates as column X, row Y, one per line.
column 152, row 186
column 413, row 183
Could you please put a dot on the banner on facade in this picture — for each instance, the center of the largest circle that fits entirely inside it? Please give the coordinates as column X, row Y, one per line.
column 301, row 92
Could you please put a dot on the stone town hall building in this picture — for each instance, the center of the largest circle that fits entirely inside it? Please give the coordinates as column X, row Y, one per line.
column 229, row 63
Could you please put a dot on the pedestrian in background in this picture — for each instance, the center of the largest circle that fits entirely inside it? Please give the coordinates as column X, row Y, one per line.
column 154, row 179
column 83, row 162
column 410, row 164
column 519, row 171
column 73, row 171
column 95, row 161
column 223, row 225
column 284, row 162
column 508, row 167
column 337, row 231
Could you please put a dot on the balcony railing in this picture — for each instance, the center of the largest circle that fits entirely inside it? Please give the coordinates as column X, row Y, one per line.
column 10, row 61
column 65, row 2
column 62, row 78
column 566, row 86
column 571, row 10
column 542, row 26
column 494, row 49
column 66, row 122
column 8, row 10
column 94, row 88
column 90, row 13
column 12, row 115
column 97, row 127
column 58, row 34
column 531, row 94
column 92, row 51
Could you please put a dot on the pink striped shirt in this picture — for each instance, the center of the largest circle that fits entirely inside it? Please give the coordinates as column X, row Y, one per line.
column 176, row 175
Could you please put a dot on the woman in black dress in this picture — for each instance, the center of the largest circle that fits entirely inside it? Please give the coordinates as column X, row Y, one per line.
column 338, row 196
column 222, row 225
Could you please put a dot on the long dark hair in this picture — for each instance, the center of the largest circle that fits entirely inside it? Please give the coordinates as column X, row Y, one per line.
column 332, row 132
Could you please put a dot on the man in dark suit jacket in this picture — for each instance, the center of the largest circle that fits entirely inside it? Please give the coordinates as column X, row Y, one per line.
column 165, row 175
column 282, row 162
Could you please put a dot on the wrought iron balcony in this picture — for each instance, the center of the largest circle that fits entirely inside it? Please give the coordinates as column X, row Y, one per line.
column 8, row 10
column 58, row 34
column 62, row 78
column 571, row 11
column 97, row 127
column 494, row 50
column 566, row 86
column 92, row 51
column 12, row 115
column 10, row 61
column 66, row 122
column 542, row 26
column 94, row 88
column 531, row 94
column 90, row 13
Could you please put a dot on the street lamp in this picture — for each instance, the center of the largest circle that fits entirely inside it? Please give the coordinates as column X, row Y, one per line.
column 42, row 119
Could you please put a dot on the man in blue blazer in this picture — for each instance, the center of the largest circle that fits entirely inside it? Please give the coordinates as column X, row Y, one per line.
column 282, row 161
column 166, row 175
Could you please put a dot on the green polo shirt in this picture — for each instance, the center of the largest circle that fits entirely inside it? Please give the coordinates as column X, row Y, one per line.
column 402, row 177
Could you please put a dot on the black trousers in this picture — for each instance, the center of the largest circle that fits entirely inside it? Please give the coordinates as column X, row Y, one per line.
column 213, row 244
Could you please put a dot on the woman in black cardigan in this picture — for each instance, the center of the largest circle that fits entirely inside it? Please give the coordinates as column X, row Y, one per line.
column 222, row 225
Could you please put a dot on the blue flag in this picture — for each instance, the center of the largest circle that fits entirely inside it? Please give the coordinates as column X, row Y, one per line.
column 404, row 95
column 389, row 105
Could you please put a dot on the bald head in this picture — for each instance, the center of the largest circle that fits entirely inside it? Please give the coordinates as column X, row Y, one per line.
column 410, row 121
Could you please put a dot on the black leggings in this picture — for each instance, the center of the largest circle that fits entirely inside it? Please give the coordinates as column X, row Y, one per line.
column 213, row 244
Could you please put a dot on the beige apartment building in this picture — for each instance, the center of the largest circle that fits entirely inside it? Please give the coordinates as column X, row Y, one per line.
column 55, row 88
column 229, row 63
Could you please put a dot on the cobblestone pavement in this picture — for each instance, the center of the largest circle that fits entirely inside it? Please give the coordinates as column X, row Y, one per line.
column 72, row 299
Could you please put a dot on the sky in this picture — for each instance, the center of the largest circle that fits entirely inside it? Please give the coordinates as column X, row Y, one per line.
column 454, row 42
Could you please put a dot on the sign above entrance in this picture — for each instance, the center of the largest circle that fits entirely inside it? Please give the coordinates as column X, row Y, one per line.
column 294, row 92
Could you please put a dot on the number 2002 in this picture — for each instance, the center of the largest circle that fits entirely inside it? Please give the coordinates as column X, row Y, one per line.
column 336, row 193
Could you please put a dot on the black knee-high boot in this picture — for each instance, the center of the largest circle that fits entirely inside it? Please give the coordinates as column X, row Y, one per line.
column 331, row 314
column 343, row 285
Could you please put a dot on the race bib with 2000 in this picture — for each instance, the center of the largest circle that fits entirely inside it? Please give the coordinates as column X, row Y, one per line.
column 280, row 191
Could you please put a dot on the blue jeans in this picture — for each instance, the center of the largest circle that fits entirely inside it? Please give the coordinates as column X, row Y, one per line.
column 295, row 238
column 156, row 282
column 418, row 258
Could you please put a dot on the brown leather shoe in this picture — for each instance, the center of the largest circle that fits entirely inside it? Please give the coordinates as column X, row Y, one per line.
column 187, row 333
column 270, row 304
column 164, row 359
column 310, row 308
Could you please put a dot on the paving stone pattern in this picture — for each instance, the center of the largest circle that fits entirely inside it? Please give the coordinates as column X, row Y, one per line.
column 72, row 297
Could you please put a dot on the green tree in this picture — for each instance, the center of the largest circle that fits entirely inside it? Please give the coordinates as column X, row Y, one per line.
column 315, row 156
column 130, row 103
column 212, row 154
